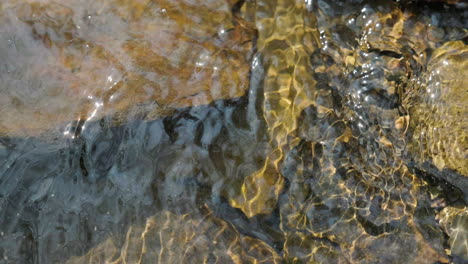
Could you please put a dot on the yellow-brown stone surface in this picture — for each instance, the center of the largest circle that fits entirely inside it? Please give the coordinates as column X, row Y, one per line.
column 439, row 110
column 81, row 60
column 170, row 238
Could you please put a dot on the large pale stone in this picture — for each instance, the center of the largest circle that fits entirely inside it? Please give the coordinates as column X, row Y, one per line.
column 81, row 60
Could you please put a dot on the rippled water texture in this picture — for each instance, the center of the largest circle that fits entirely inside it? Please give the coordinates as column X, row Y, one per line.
column 225, row 131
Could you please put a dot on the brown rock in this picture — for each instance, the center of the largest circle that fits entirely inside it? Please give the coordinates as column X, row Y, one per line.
column 85, row 60
column 438, row 112
column 170, row 238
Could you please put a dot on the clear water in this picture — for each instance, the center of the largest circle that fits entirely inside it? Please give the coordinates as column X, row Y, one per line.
column 276, row 131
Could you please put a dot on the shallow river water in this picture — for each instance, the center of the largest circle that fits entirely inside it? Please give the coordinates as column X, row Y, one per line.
column 225, row 131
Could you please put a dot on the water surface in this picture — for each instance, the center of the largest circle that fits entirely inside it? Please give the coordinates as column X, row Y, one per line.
column 233, row 131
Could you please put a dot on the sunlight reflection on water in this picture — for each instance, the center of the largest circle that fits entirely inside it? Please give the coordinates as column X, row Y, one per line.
column 233, row 131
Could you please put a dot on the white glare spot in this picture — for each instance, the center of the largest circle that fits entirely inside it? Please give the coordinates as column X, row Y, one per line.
column 445, row 62
column 255, row 62
column 164, row 10
column 309, row 4
column 109, row 79
column 97, row 104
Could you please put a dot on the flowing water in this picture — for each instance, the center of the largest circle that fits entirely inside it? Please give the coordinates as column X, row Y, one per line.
column 224, row 131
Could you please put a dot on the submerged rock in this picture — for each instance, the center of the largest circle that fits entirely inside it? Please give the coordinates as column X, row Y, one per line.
column 454, row 221
column 69, row 198
column 67, row 61
column 335, row 167
column 316, row 154
column 287, row 37
column 438, row 115
column 188, row 238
